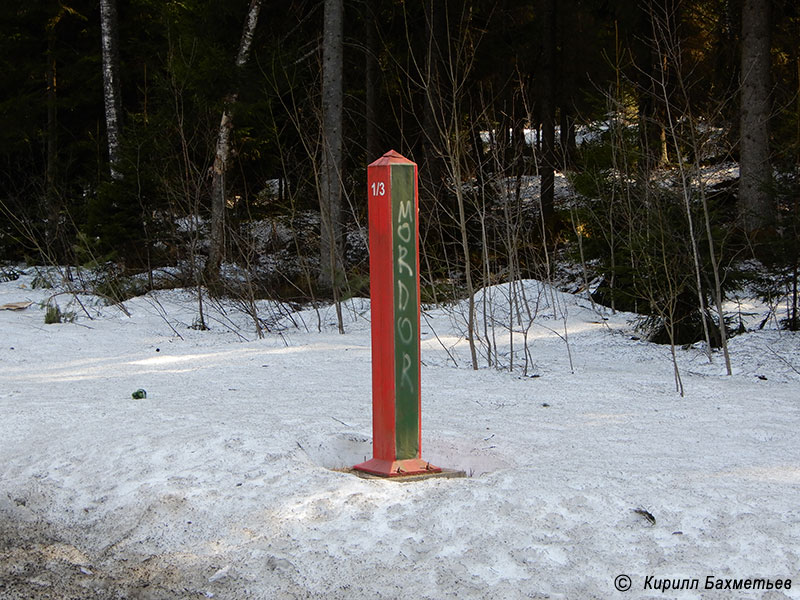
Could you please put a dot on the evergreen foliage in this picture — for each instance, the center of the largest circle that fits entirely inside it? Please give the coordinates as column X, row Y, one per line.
column 458, row 87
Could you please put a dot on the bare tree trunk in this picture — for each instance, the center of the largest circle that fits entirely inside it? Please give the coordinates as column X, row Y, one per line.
column 52, row 197
column 223, row 151
column 755, row 173
column 567, row 67
column 448, row 61
column 435, row 107
column 653, row 76
column 111, row 92
column 456, row 158
column 666, row 49
column 330, row 201
column 371, row 82
column 52, row 120
column 220, row 166
column 547, row 111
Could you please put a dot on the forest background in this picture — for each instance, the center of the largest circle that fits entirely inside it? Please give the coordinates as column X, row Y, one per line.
column 225, row 144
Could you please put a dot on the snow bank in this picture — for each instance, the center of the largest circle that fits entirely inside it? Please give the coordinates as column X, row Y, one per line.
column 223, row 483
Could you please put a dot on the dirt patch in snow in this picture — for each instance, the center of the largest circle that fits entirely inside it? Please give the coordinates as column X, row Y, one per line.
column 39, row 561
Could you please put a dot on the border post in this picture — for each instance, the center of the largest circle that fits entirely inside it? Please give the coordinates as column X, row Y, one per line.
column 395, row 300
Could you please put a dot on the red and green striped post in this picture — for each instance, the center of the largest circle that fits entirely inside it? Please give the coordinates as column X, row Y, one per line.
column 394, row 293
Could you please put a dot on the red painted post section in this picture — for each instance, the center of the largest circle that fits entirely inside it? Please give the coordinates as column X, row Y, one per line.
column 379, row 183
column 394, row 284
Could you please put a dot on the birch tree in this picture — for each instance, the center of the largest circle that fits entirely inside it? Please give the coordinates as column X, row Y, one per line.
column 111, row 88
column 223, row 151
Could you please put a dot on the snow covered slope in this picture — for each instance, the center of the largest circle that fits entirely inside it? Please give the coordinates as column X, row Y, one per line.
column 222, row 482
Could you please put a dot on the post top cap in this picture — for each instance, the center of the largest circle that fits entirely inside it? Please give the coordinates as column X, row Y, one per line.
column 391, row 158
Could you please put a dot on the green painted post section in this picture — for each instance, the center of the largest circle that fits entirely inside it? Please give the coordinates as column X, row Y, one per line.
column 406, row 312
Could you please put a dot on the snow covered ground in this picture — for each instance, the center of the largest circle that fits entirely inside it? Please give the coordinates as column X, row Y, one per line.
column 222, row 483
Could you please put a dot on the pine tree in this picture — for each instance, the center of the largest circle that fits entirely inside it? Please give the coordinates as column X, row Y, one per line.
column 756, row 209
column 331, row 172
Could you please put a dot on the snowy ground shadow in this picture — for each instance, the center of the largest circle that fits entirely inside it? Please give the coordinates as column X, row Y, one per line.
column 344, row 449
column 338, row 450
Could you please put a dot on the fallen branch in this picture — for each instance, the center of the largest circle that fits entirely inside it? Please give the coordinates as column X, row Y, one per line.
column 786, row 362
